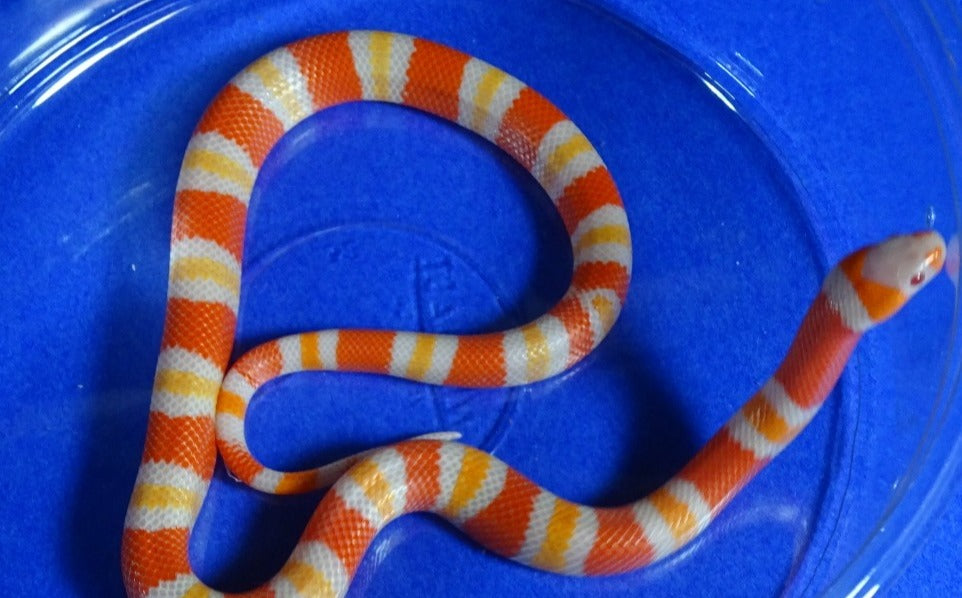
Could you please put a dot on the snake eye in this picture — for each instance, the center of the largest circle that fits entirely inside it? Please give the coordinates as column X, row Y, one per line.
column 918, row 279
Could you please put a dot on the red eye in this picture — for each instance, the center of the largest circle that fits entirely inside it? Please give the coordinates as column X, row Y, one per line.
column 918, row 279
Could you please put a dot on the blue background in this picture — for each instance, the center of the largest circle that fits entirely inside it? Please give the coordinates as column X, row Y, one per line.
column 748, row 167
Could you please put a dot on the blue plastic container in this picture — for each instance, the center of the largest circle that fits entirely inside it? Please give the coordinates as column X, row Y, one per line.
column 753, row 147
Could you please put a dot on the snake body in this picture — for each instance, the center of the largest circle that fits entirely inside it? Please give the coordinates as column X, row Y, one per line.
column 199, row 406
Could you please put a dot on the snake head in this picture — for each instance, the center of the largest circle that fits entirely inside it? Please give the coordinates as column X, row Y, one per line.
column 888, row 274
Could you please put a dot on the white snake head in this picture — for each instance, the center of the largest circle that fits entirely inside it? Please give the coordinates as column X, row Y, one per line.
column 888, row 274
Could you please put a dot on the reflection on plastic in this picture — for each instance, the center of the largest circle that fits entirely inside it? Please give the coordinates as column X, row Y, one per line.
column 80, row 68
column 49, row 65
column 718, row 91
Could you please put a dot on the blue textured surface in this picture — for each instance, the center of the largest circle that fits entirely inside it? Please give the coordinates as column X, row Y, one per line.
column 935, row 570
column 370, row 215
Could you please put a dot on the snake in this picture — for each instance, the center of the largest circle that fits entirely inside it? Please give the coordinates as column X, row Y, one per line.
column 198, row 404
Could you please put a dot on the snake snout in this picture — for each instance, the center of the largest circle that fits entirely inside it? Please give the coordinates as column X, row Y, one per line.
column 906, row 263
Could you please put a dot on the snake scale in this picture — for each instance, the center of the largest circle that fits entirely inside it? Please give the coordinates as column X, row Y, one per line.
column 198, row 406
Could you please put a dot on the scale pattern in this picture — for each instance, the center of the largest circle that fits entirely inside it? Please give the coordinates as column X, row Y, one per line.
column 196, row 408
